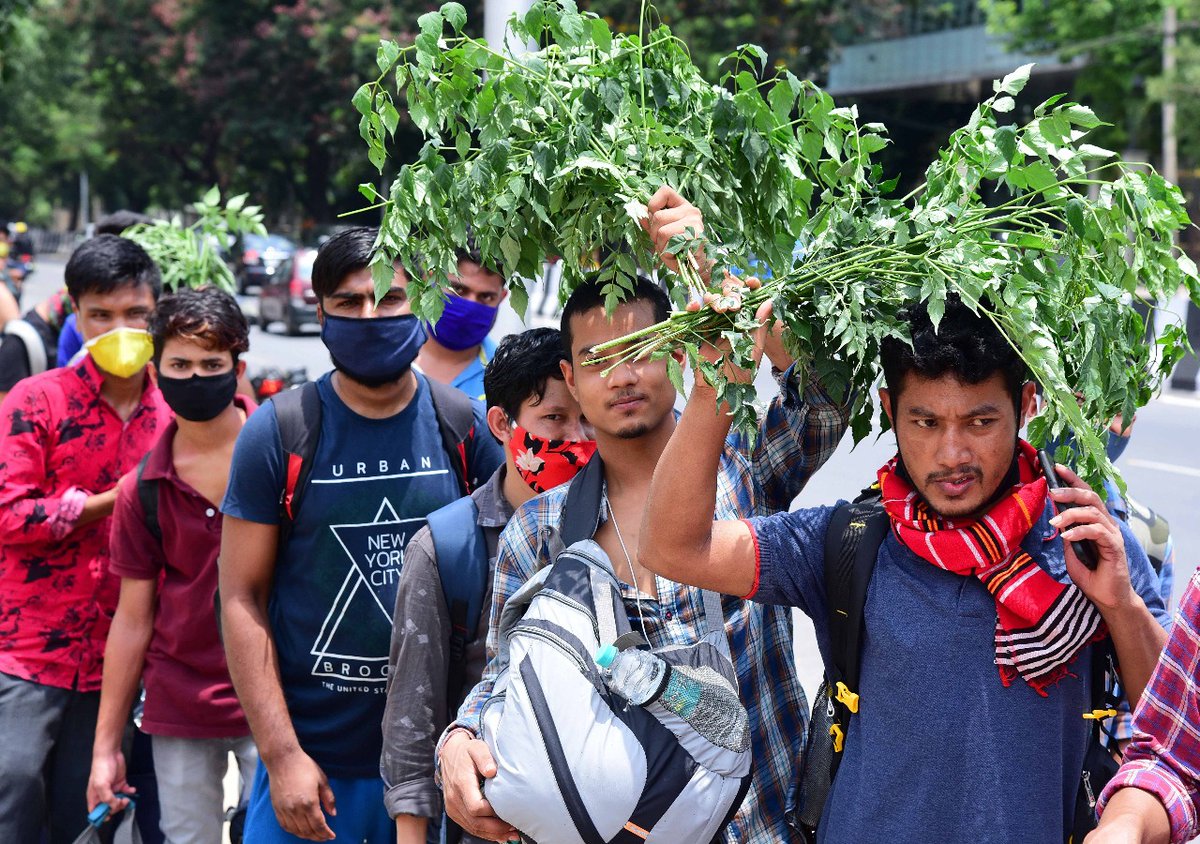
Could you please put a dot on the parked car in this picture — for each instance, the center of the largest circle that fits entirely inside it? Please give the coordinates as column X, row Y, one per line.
column 287, row 296
column 256, row 258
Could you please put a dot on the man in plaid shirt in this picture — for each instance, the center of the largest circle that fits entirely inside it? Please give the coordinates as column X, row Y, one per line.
column 632, row 412
column 1155, row 797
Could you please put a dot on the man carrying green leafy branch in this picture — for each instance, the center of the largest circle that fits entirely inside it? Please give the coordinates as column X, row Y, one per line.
column 632, row 411
column 979, row 624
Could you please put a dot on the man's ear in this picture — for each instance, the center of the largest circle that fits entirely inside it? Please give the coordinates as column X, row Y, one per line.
column 320, row 314
column 680, row 357
column 153, row 370
column 498, row 424
column 885, row 399
column 240, row 368
column 568, row 372
column 1029, row 403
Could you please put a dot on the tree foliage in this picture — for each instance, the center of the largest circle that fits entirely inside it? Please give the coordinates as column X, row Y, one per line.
column 1121, row 43
column 160, row 99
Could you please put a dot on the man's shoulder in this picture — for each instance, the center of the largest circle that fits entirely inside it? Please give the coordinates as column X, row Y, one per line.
column 46, row 389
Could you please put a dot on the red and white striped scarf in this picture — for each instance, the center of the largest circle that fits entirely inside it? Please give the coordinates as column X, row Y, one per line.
column 1041, row 624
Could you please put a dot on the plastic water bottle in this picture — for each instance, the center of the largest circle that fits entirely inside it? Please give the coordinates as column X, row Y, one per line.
column 699, row 696
column 638, row 676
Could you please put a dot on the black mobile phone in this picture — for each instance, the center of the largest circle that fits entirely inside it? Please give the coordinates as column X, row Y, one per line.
column 1084, row 549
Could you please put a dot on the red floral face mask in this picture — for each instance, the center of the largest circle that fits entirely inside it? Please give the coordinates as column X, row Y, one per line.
column 544, row 464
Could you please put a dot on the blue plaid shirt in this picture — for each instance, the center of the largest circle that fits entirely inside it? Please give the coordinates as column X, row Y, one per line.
column 798, row 434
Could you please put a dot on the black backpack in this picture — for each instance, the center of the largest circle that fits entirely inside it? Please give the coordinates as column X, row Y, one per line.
column 298, row 416
column 853, row 537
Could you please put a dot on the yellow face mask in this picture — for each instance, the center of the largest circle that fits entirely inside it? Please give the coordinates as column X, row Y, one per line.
column 122, row 351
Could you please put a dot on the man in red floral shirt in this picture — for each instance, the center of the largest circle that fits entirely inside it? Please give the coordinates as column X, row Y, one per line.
column 66, row 437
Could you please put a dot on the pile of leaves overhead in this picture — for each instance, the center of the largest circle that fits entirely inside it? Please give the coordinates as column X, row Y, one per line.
column 556, row 151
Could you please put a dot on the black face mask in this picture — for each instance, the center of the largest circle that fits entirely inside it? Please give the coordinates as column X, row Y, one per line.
column 199, row 399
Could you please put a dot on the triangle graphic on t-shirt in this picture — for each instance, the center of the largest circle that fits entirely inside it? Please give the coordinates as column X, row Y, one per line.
column 361, row 611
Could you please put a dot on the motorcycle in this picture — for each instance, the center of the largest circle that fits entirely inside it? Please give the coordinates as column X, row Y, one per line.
column 274, row 380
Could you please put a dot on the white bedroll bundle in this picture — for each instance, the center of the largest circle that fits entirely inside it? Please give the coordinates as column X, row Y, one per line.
column 577, row 764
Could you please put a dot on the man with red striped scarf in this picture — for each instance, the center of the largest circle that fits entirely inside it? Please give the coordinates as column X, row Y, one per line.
column 980, row 622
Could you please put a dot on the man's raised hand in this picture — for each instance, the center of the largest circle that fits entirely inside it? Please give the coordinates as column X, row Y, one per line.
column 668, row 215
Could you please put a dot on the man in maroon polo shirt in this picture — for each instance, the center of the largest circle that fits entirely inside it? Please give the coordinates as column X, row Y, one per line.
column 66, row 438
column 168, row 567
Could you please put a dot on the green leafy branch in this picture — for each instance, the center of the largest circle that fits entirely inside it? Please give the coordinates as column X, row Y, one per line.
column 190, row 256
column 555, row 152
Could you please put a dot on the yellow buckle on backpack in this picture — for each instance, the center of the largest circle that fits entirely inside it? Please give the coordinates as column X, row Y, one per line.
column 846, row 697
column 839, row 738
column 1100, row 714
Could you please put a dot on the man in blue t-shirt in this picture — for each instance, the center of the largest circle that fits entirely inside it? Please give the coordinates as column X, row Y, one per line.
column 979, row 621
column 307, row 623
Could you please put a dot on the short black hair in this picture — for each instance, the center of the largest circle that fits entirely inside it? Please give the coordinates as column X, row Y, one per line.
column 206, row 314
column 471, row 254
column 590, row 295
column 345, row 253
column 520, row 368
column 965, row 344
column 107, row 263
column 118, row 221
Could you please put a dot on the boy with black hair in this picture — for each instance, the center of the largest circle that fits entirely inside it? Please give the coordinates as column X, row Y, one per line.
column 632, row 412
column 458, row 349
column 66, row 438
column 166, row 532
column 328, row 484
column 979, row 621
column 546, row 441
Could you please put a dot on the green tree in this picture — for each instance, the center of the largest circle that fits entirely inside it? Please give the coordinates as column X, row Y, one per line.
column 798, row 34
column 49, row 122
column 1120, row 42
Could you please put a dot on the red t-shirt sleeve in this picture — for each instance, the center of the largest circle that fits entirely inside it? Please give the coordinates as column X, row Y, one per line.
column 133, row 550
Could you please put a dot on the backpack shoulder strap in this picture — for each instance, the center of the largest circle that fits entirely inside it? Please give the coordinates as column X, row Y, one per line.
column 35, row 349
column 462, row 560
column 852, row 541
column 456, row 423
column 298, row 416
column 147, row 490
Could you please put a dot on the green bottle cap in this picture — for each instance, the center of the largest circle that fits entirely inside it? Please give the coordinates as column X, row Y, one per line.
column 606, row 655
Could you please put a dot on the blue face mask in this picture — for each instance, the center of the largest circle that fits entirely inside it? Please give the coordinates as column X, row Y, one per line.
column 374, row 351
column 463, row 323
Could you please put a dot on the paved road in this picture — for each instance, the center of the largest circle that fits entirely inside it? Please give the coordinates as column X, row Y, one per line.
column 1161, row 464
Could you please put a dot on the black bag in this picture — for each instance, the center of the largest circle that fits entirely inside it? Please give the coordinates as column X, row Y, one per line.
column 852, row 542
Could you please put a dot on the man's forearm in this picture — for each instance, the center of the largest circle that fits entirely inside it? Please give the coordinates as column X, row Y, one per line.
column 1137, row 815
column 1139, row 640
column 254, row 668
column 97, row 507
column 124, row 657
column 683, row 494
column 410, row 829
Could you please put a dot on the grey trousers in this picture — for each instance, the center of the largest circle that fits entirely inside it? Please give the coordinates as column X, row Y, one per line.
column 190, row 773
column 46, row 736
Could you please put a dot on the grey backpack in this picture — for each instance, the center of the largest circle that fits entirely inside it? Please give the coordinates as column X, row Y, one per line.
column 576, row 763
